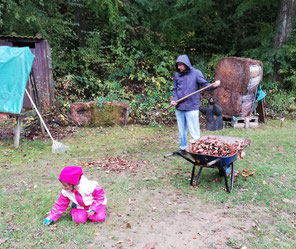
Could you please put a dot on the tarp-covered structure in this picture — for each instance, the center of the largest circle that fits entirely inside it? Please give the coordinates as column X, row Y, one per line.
column 15, row 68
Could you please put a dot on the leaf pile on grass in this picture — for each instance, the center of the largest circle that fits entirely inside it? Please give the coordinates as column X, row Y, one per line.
column 115, row 164
column 59, row 125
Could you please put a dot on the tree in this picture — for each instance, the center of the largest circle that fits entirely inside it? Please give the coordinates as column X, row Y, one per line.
column 284, row 22
column 284, row 27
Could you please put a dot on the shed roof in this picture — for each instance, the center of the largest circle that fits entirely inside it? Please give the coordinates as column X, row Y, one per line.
column 37, row 36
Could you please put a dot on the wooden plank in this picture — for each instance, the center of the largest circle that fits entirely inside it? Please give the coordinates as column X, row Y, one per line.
column 261, row 111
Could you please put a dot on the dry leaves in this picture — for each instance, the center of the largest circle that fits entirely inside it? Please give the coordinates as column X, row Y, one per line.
column 149, row 246
column 246, row 173
column 215, row 147
column 114, row 164
column 2, row 241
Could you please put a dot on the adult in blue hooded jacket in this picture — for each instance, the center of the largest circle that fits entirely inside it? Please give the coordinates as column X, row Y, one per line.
column 188, row 80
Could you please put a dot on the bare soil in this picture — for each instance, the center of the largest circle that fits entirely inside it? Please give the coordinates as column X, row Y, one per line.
column 179, row 221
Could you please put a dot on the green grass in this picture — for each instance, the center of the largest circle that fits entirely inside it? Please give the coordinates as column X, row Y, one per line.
column 29, row 185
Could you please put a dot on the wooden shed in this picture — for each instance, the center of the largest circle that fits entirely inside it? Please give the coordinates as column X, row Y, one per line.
column 41, row 70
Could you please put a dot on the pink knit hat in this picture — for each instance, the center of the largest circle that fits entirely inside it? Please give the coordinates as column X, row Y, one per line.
column 71, row 175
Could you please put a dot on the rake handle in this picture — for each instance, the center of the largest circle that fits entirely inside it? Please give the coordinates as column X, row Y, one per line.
column 189, row 95
column 41, row 119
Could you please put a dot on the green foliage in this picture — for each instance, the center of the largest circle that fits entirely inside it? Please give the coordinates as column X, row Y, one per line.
column 126, row 50
column 108, row 9
column 281, row 103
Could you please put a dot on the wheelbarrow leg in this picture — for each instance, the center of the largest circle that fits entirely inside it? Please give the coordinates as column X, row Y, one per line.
column 194, row 180
column 229, row 188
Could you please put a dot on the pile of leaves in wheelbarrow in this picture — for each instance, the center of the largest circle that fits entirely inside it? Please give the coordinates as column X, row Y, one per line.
column 215, row 147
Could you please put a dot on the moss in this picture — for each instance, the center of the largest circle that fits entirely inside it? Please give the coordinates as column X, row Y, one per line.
column 108, row 114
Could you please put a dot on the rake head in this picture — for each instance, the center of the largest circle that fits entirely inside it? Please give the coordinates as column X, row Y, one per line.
column 58, row 147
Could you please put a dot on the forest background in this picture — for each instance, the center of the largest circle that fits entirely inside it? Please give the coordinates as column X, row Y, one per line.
column 125, row 50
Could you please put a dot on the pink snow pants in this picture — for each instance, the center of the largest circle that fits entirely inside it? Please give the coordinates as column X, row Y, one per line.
column 81, row 216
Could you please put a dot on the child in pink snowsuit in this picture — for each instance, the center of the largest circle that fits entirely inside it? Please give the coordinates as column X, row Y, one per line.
column 88, row 198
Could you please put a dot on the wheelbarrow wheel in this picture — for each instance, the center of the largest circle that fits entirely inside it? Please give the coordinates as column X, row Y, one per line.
column 229, row 177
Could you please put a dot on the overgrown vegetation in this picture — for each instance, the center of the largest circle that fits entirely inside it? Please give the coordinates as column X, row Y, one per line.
column 126, row 50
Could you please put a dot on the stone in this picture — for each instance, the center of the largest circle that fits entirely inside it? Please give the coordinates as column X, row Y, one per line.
column 80, row 113
column 109, row 113
column 105, row 114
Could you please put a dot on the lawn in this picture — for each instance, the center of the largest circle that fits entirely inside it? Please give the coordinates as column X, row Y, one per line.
column 150, row 202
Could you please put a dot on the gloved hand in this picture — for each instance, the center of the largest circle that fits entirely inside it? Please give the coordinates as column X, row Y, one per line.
column 47, row 221
column 90, row 212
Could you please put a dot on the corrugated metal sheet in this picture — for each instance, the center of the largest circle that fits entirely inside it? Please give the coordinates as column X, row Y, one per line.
column 38, row 36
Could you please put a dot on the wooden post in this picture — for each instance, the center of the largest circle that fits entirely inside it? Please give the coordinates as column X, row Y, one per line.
column 17, row 132
column 260, row 110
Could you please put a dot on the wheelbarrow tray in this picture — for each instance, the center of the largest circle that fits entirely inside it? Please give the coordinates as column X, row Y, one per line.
column 204, row 159
column 210, row 161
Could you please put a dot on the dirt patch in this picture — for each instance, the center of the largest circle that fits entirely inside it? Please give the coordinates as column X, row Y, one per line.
column 179, row 221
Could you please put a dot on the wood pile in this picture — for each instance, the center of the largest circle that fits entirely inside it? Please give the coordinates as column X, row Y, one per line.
column 239, row 78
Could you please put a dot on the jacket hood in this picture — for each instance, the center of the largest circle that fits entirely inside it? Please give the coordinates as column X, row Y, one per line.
column 185, row 60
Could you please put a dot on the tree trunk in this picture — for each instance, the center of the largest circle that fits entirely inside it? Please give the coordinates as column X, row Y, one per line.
column 284, row 27
column 79, row 22
column 284, row 22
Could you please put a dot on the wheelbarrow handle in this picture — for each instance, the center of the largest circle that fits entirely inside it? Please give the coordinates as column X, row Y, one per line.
column 168, row 155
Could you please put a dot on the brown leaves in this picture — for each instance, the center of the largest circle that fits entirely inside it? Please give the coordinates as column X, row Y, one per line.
column 215, row 147
column 2, row 241
column 149, row 246
column 58, row 124
column 53, row 227
column 114, row 164
column 247, row 172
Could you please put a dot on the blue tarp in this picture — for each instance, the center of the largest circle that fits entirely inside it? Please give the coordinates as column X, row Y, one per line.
column 15, row 68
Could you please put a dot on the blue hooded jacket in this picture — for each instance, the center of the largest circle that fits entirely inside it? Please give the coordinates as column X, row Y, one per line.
column 188, row 82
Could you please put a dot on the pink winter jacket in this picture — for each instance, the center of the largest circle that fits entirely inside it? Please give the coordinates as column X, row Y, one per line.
column 87, row 195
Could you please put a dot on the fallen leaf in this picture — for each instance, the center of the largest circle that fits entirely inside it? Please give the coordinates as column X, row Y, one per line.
column 149, row 246
column 53, row 227
column 2, row 241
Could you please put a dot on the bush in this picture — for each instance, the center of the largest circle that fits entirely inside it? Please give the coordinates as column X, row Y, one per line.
column 281, row 103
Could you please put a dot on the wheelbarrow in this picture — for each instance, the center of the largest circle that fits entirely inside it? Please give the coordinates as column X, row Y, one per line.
column 225, row 164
